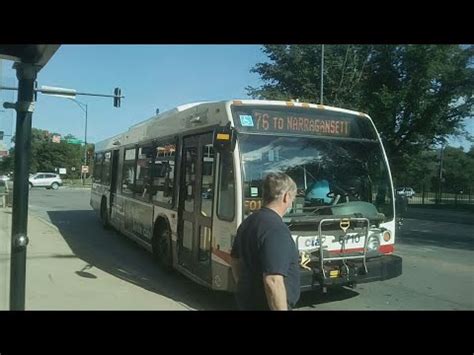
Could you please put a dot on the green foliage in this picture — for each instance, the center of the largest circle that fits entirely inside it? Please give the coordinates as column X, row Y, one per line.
column 6, row 165
column 422, row 171
column 458, row 170
column 47, row 156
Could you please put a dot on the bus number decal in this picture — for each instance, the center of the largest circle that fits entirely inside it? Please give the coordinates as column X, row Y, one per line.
column 252, row 204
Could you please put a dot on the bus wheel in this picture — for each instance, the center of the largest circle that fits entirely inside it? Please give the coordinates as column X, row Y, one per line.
column 104, row 216
column 162, row 246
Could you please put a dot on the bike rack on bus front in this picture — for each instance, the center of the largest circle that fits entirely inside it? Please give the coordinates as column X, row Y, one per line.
column 344, row 224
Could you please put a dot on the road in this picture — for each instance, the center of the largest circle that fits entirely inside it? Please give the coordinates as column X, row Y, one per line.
column 438, row 261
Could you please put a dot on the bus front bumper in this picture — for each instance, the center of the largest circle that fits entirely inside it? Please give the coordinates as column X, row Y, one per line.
column 379, row 268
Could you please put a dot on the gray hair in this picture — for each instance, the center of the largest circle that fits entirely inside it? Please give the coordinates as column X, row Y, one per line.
column 276, row 185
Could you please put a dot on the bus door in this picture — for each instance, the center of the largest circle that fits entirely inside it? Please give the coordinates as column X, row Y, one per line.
column 195, row 205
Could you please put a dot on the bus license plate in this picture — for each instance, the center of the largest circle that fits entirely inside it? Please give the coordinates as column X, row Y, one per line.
column 308, row 242
column 334, row 243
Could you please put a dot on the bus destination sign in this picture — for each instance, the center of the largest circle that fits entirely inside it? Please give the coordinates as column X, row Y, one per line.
column 297, row 121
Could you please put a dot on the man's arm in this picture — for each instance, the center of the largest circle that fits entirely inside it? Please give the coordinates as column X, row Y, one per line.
column 235, row 264
column 276, row 292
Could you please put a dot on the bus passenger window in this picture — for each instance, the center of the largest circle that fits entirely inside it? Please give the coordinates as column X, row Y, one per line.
column 106, row 168
column 144, row 162
column 128, row 171
column 163, row 174
column 226, row 198
column 97, row 174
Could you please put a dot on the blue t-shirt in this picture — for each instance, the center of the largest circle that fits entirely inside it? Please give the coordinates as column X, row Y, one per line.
column 264, row 245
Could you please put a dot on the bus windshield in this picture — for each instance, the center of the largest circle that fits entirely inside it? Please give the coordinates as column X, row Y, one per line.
column 327, row 172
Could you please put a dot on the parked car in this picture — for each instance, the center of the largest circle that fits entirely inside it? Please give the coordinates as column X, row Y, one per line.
column 405, row 191
column 48, row 180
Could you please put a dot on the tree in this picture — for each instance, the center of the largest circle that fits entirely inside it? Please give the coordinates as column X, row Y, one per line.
column 295, row 73
column 6, row 164
column 458, row 170
column 48, row 156
column 417, row 95
column 420, row 171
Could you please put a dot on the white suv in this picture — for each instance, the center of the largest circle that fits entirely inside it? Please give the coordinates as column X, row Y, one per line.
column 406, row 191
column 48, row 180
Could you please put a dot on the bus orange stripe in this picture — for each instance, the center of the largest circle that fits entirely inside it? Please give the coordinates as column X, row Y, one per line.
column 347, row 251
column 223, row 255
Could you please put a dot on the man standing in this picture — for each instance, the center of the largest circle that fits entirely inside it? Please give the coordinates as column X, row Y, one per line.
column 264, row 256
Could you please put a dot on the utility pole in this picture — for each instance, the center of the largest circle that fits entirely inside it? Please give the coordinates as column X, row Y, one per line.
column 322, row 74
column 441, row 155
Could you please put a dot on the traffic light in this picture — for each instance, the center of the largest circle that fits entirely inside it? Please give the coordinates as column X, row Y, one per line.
column 117, row 97
column 1, row 135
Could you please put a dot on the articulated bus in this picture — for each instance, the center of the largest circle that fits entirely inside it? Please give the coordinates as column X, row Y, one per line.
column 181, row 182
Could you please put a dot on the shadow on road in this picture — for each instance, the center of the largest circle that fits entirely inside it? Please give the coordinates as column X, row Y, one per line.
column 119, row 256
column 311, row 299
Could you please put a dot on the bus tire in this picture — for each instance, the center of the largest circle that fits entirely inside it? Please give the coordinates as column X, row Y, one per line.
column 104, row 216
column 161, row 244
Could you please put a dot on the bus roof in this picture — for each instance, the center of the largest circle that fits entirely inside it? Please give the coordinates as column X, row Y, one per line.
column 169, row 122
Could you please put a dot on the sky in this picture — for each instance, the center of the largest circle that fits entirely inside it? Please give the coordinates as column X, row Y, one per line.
column 151, row 77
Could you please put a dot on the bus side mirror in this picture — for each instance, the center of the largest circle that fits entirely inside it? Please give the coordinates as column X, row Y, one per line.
column 224, row 139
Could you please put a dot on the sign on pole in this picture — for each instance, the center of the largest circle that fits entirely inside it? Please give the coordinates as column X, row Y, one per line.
column 85, row 169
column 62, row 171
column 74, row 141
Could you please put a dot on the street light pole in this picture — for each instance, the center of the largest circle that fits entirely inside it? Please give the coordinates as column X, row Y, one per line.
column 85, row 140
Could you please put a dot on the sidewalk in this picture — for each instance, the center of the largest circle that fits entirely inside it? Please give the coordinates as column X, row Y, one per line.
column 58, row 280
column 5, row 230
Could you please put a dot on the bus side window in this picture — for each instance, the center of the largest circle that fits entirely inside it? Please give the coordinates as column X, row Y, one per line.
column 226, row 198
column 164, row 171
column 144, row 163
column 128, row 171
column 97, row 174
column 106, row 168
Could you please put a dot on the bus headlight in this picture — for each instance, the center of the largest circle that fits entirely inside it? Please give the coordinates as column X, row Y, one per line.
column 374, row 242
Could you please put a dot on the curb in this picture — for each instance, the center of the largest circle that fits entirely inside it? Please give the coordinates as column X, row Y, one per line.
column 75, row 188
column 45, row 222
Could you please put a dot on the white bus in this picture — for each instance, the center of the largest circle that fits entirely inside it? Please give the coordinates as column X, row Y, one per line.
column 181, row 182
